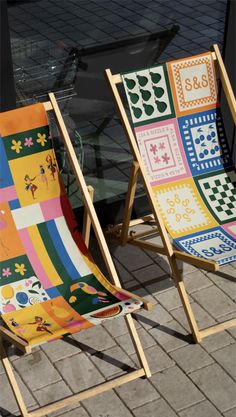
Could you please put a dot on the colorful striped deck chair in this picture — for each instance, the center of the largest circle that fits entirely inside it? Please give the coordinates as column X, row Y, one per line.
column 49, row 284
column 181, row 153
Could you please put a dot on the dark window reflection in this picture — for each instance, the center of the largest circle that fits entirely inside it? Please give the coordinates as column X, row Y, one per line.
column 64, row 46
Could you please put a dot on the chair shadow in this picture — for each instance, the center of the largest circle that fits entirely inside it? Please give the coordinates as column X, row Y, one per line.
column 6, row 413
column 225, row 276
column 101, row 355
column 164, row 329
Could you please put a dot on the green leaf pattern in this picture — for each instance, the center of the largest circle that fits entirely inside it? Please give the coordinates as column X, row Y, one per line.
column 148, row 94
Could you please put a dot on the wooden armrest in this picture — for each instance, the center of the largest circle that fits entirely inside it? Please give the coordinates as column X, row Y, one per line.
column 15, row 340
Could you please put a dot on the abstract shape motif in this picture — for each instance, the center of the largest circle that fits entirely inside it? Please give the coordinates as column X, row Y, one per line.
column 182, row 208
column 21, row 294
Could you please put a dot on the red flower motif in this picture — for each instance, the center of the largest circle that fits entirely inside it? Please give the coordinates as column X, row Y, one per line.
column 153, row 149
column 165, row 158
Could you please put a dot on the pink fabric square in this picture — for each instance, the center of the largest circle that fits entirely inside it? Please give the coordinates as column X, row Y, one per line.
column 8, row 194
column 51, row 209
column 162, row 151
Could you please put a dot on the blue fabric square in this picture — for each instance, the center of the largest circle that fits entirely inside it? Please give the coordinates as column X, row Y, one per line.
column 213, row 244
column 5, row 173
column 204, row 141
column 53, row 292
column 14, row 204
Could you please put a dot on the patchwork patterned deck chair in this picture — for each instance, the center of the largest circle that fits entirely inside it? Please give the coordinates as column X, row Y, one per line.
column 181, row 153
column 49, row 283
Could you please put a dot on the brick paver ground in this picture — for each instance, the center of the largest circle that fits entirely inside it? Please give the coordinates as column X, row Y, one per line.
column 188, row 380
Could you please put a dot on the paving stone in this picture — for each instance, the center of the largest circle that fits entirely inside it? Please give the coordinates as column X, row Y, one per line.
column 116, row 327
column 202, row 409
column 79, row 372
column 191, row 357
column 214, row 301
column 94, row 339
column 7, row 399
column 1, row 368
column 137, row 258
column 226, row 357
column 132, row 285
column 60, row 349
column 137, row 393
column 202, row 317
column 139, row 290
column 157, row 359
column 218, row 387
column 170, row 299
column 158, row 408
column 196, row 281
column 78, row 412
column 107, row 404
column 173, row 385
column 112, row 361
column 184, row 267
column 228, row 269
column 154, row 318
column 227, row 285
column 36, row 370
column 65, row 410
column 170, row 336
column 52, row 393
column 163, row 283
column 124, row 275
column 149, row 273
column 217, row 341
column 230, row 413
column 126, row 343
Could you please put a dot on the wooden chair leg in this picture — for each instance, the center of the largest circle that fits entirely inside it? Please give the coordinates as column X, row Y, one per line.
column 137, row 344
column 129, row 202
column 12, row 380
column 87, row 221
column 188, row 311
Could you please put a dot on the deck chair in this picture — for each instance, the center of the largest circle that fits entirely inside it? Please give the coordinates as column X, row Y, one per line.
column 181, row 153
column 50, row 286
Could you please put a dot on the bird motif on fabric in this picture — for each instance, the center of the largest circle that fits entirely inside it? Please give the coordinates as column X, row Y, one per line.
column 99, row 296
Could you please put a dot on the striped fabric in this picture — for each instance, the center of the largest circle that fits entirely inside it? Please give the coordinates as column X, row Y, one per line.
column 49, row 283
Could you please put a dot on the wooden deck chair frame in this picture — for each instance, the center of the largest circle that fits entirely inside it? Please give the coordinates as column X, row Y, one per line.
column 90, row 218
column 122, row 230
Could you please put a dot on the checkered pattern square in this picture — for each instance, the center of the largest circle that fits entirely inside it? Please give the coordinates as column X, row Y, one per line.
column 219, row 193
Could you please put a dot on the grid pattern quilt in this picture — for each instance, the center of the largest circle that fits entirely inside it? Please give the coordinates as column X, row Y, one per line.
column 182, row 142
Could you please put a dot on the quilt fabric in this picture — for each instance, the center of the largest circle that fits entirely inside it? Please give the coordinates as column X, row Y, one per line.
column 182, row 142
column 49, row 284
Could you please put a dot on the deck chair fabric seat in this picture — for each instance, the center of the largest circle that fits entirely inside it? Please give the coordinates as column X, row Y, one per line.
column 50, row 285
column 183, row 146
column 177, row 137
